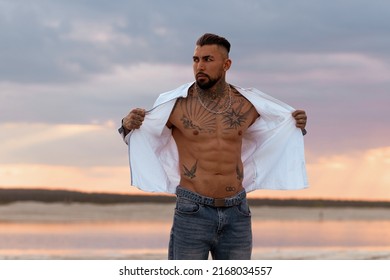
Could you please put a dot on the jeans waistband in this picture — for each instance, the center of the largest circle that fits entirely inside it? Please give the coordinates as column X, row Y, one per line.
column 215, row 202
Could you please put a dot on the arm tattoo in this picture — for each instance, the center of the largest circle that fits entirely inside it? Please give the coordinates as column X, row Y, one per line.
column 190, row 173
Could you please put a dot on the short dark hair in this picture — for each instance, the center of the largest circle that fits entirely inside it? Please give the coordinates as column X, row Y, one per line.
column 212, row 39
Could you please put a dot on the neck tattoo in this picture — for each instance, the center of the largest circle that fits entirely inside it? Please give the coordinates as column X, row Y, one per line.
column 225, row 107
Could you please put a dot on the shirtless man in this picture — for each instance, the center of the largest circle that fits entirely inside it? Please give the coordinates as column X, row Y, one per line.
column 208, row 126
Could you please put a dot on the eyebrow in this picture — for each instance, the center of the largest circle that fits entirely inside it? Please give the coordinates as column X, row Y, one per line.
column 203, row 57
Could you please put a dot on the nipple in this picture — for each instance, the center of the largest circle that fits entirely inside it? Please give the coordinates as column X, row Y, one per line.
column 240, row 132
column 195, row 132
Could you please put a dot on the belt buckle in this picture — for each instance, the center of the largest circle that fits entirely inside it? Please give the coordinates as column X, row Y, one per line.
column 219, row 202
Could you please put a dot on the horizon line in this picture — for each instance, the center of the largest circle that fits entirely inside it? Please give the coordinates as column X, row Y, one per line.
column 19, row 194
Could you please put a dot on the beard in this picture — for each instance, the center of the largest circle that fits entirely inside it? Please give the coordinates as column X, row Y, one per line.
column 208, row 83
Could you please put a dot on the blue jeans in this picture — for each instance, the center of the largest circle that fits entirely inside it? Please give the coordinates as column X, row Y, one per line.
column 200, row 227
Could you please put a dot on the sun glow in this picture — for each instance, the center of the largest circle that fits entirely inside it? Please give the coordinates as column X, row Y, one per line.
column 358, row 176
column 362, row 176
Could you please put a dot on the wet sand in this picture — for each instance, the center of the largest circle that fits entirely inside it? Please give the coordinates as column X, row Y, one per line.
column 33, row 212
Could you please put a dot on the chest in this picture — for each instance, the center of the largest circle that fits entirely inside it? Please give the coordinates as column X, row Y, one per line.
column 195, row 118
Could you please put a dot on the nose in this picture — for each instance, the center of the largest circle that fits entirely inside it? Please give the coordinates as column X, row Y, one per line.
column 200, row 66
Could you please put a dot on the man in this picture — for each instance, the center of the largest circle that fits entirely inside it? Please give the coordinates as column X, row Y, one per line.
column 210, row 143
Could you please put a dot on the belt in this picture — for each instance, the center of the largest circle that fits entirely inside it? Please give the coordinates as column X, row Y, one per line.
column 214, row 202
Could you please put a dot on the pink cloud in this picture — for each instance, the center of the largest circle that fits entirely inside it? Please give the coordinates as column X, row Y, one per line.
column 355, row 176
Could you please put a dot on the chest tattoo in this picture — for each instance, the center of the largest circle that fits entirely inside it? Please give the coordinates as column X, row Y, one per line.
column 191, row 115
column 235, row 118
column 195, row 117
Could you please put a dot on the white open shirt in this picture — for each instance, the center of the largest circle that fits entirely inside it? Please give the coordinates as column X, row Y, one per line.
column 272, row 147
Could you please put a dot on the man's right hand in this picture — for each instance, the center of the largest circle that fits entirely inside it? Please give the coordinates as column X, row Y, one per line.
column 134, row 119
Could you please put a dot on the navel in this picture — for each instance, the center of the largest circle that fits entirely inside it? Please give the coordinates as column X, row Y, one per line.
column 240, row 132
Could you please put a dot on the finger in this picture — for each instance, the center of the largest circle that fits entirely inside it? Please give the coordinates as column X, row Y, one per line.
column 139, row 112
column 301, row 118
column 135, row 117
column 127, row 124
column 135, row 124
column 297, row 113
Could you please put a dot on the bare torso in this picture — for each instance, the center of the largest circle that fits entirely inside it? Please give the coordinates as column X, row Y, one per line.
column 209, row 144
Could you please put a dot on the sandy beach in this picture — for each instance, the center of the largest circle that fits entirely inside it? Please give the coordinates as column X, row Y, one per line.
column 83, row 213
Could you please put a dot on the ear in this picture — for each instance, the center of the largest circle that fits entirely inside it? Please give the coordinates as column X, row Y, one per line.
column 227, row 64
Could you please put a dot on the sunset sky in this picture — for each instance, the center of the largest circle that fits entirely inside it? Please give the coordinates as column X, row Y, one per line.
column 71, row 70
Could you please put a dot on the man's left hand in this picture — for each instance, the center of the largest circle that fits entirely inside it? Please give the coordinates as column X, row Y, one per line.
column 300, row 118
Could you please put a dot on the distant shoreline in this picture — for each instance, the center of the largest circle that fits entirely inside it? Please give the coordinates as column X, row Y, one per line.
column 8, row 196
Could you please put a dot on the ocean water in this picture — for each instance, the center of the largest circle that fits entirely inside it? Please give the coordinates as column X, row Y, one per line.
column 273, row 239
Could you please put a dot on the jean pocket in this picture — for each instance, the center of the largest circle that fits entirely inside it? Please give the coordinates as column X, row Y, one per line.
column 243, row 208
column 186, row 206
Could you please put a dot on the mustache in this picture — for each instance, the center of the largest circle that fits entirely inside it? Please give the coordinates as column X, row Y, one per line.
column 202, row 74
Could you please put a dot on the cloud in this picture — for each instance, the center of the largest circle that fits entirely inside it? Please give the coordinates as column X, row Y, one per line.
column 359, row 176
column 344, row 94
column 354, row 176
column 57, row 41
column 338, row 70
column 103, row 97
column 71, row 70
column 109, row 179
column 63, row 145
